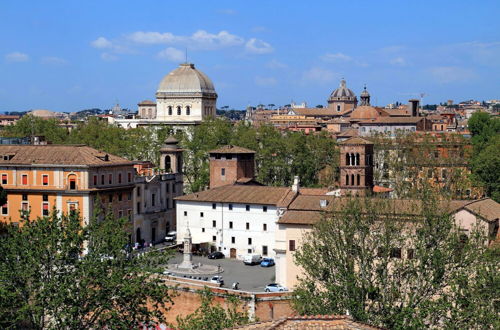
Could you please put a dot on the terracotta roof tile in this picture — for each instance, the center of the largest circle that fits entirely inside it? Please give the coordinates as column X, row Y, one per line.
column 356, row 140
column 230, row 149
column 485, row 208
column 52, row 154
column 310, row 322
column 392, row 120
column 240, row 194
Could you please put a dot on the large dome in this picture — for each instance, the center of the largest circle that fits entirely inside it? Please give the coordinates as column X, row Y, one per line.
column 186, row 79
column 365, row 112
column 343, row 93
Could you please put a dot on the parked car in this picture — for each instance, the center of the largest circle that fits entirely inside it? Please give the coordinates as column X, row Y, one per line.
column 217, row 280
column 275, row 287
column 171, row 237
column 267, row 262
column 216, row 255
column 252, row 259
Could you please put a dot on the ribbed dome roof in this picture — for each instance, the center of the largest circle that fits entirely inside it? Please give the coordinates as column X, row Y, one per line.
column 186, row 79
column 343, row 92
column 365, row 112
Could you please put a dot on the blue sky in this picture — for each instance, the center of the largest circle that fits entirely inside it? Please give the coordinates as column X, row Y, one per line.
column 71, row 55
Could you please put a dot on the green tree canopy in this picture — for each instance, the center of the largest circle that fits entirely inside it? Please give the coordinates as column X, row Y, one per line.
column 46, row 280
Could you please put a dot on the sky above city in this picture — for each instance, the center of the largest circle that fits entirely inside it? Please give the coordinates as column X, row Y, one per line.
column 73, row 55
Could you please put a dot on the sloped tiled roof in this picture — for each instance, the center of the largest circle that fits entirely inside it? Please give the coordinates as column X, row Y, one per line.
column 318, row 322
column 52, row 154
column 485, row 208
column 242, row 194
column 392, row 120
column 356, row 140
column 230, row 149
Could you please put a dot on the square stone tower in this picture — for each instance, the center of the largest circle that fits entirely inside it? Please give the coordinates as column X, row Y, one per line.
column 230, row 165
column 356, row 167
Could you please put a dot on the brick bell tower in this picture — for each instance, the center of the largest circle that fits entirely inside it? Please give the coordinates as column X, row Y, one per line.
column 231, row 165
column 356, row 167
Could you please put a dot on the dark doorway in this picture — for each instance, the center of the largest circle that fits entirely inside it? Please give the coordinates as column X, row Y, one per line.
column 138, row 235
column 232, row 253
column 153, row 235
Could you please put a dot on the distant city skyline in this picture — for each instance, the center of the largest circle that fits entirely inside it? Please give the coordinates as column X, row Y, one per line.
column 69, row 56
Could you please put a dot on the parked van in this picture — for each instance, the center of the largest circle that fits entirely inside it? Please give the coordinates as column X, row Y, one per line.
column 252, row 259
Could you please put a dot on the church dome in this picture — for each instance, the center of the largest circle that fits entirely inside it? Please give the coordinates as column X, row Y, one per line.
column 186, row 79
column 342, row 93
column 365, row 112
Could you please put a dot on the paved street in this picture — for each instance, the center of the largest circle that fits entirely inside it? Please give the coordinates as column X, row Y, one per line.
column 251, row 278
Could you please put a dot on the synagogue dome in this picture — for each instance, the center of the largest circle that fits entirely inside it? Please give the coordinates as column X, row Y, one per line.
column 186, row 79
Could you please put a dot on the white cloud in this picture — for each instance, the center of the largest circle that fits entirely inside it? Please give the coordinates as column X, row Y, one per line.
column 336, row 57
column 265, row 81
column 259, row 29
column 141, row 37
column 227, row 12
column 101, row 43
column 320, row 75
column 275, row 64
column 398, row 61
column 108, row 57
column 451, row 74
column 17, row 57
column 172, row 54
column 54, row 60
column 257, row 46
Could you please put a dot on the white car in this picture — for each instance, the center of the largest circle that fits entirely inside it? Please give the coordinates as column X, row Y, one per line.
column 275, row 287
column 217, row 280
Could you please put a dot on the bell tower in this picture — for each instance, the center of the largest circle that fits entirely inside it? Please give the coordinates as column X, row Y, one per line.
column 171, row 156
column 356, row 167
column 231, row 165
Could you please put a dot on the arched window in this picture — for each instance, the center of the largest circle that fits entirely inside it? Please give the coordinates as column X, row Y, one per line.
column 347, row 159
column 352, row 159
column 347, row 179
column 178, row 111
column 168, row 164
column 72, row 182
column 357, row 159
column 188, row 110
column 352, row 180
column 358, row 178
column 169, row 110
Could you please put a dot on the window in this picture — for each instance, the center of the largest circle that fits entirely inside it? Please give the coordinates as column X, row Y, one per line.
column 444, row 173
column 230, row 207
column 396, row 253
column 347, row 179
column 129, row 197
column 248, row 225
column 129, row 177
column 410, row 253
column 358, row 178
column 110, row 178
column 95, row 180
column 247, row 207
column 264, row 250
column 45, row 209
column 214, row 238
column 5, row 209
column 4, row 178
column 45, row 180
column 170, row 111
column 153, row 199
column 229, row 157
column 249, row 250
column 173, row 188
column 264, row 208
column 202, row 230
column 102, row 179
column 233, row 240
column 230, row 225
column 178, row 111
column 129, row 214
column 430, row 172
column 188, row 110
column 138, row 207
column 72, row 182
column 167, row 188
column 223, row 171
column 120, row 197
column 214, row 223
column 249, row 241
column 45, row 198
column 201, row 214
column 338, row 108
column 25, row 197
column 214, row 206
column 185, row 213
column 138, row 191
column 264, row 227
column 119, row 178
column 72, row 208
column 120, row 214
column 110, row 198
column 24, row 179
column 291, row 245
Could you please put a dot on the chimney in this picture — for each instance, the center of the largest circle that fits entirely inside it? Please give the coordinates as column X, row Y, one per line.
column 414, row 107
column 323, row 203
column 295, row 187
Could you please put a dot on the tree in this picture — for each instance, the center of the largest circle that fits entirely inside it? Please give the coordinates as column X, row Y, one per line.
column 46, row 280
column 486, row 168
column 353, row 261
column 212, row 317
